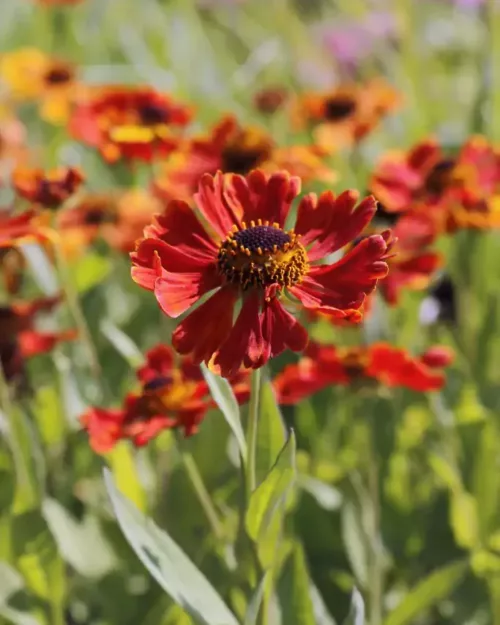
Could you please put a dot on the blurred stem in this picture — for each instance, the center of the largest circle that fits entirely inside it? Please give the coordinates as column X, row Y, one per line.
column 27, row 490
column 253, row 420
column 202, row 493
column 492, row 73
column 376, row 564
column 75, row 309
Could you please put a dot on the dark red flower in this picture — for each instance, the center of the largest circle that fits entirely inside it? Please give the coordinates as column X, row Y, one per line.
column 131, row 123
column 249, row 255
column 380, row 363
column 20, row 340
column 269, row 100
column 172, row 395
column 16, row 229
column 47, row 189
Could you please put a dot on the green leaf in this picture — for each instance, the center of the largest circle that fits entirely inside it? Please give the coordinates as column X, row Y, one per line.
column 167, row 563
column 463, row 519
column 487, row 480
column 356, row 614
column 271, row 433
column 434, row 588
column 123, row 344
column 252, row 613
column 355, row 541
column 223, row 395
column 49, row 416
column 267, row 506
column 294, row 589
column 123, row 465
column 90, row 271
column 73, row 540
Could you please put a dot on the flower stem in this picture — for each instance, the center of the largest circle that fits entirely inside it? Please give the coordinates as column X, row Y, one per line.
column 202, row 493
column 75, row 309
column 253, row 420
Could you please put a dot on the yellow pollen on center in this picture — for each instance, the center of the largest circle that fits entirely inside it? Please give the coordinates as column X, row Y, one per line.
column 261, row 255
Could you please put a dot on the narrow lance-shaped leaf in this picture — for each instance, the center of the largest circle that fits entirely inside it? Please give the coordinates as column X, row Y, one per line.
column 271, row 434
column 168, row 564
column 356, row 614
column 294, row 590
column 223, row 395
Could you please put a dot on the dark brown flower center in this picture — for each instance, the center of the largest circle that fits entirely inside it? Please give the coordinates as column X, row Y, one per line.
column 158, row 383
column 241, row 160
column 339, row 108
column 440, row 176
column 152, row 114
column 262, row 255
column 58, row 75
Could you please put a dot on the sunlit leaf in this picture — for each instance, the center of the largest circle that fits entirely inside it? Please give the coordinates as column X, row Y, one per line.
column 355, row 541
column 271, row 434
column 356, row 614
column 252, row 613
column 168, row 564
column 223, row 396
column 294, row 589
column 464, row 519
column 267, row 506
column 434, row 588
column 124, row 468
column 487, row 479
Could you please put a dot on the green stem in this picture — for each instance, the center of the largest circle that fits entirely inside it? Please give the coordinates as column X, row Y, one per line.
column 253, row 420
column 376, row 565
column 493, row 20
column 76, row 311
column 202, row 494
column 26, row 489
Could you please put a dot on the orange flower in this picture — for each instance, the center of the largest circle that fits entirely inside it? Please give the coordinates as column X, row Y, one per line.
column 30, row 74
column 47, row 189
column 20, row 228
column 18, row 338
column 118, row 218
column 346, row 114
column 173, row 394
column 230, row 147
column 380, row 363
column 249, row 256
column 13, row 150
column 127, row 122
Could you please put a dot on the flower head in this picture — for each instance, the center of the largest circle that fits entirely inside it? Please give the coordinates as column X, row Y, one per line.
column 47, row 189
column 20, row 340
column 30, row 74
column 17, row 229
column 270, row 100
column 231, row 147
column 130, row 123
column 172, row 395
column 380, row 364
column 345, row 115
column 250, row 255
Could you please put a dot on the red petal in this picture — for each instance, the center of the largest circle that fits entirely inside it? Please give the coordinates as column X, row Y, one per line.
column 178, row 226
column 159, row 362
column 345, row 284
column 332, row 223
column 438, row 357
column 104, row 428
column 244, row 344
column 212, row 205
column 33, row 343
column 203, row 331
column 177, row 292
column 281, row 330
column 172, row 259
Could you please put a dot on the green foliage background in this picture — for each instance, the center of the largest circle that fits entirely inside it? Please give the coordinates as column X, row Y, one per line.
column 396, row 494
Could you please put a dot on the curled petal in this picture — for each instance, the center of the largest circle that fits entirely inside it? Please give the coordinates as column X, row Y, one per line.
column 213, row 206
column 281, row 330
column 177, row 292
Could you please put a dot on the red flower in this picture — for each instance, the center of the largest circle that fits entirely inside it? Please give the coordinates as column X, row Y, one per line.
column 48, row 189
column 19, row 228
column 18, row 338
column 250, row 255
column 131, row 123
column 231, row 147
column 172, row 395
column 413, row 264
column 384, row 364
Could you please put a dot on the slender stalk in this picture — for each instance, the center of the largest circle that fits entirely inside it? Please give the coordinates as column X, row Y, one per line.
column 253, row 420
column 493, row 21
column 202, row 494
column 75, row 309
column 376, row 565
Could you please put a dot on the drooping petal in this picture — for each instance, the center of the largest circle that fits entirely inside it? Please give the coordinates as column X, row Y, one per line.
column 344, row 284
column 159, row 362
column 204, row 330
column 177, row 292
column 244, row 344
column 330, row 223
column 32, row 343
column 212, row 205
column 104, row 428
column 280, row 329
column 172, row 259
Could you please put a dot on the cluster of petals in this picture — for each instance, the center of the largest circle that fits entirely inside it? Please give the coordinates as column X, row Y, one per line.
column 345, row 114
column 231, row 147
column 452, row 192
column 135, row 123
column 19, row 338
column 182, row 262
column 380, row 363
column 47, row 189
column 172, row 394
